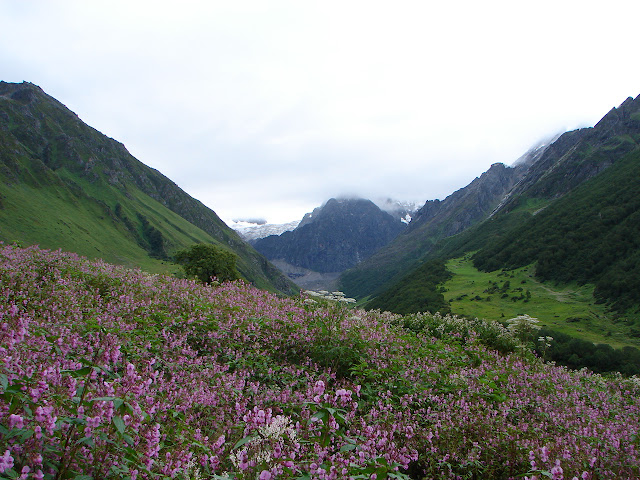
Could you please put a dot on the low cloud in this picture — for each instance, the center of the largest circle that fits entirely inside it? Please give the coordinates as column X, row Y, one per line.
column 267, row 109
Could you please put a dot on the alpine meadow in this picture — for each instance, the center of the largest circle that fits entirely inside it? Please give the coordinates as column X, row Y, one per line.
column 490, row 335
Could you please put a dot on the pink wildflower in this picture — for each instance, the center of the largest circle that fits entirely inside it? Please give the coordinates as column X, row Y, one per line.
column 545, row 453
column 16, row 421
column 557, row 471
column 318, row 389
column 6, row 461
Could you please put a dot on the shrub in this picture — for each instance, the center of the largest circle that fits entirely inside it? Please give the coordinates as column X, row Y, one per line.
column 207, row 262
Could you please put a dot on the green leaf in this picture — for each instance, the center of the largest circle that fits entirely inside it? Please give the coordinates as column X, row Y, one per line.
column 11, row 473
column 4, row 382
column 130, row 454
column 118, row 422
column 88, row 441
column 78, row 373
column 242, row 442
column 347, row 447
column 321, row 415
column 23, row 434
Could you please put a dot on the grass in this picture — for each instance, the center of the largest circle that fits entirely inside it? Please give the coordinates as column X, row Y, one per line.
column 52, row 218
column 569, row 308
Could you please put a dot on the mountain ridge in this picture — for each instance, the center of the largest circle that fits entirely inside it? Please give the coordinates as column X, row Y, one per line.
column 562, row 205
column 333, row 237
column 437, row 219
column 49, row 155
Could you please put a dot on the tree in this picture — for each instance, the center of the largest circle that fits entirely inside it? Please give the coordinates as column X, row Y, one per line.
column 207, row 261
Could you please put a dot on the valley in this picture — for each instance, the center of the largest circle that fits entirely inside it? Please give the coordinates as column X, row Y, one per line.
column 553, row 236
column 113, row 362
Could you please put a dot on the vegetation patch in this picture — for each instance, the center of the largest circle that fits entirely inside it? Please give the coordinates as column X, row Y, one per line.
column 503, row 294
column 114, row 373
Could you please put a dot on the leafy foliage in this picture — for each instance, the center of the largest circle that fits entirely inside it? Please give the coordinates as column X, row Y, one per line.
column 417, row 292
column 601, row 358
column 116, row 374
column 208, row 262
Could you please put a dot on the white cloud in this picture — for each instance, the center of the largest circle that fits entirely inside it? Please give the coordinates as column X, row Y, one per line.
column 267, row 108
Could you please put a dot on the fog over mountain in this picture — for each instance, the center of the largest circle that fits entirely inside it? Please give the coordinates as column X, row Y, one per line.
column 268, row 109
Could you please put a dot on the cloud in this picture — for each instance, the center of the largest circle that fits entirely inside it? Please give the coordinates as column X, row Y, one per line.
column 268, row 108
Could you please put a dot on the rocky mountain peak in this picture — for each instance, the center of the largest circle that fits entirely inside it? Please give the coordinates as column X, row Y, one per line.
column 334, row 237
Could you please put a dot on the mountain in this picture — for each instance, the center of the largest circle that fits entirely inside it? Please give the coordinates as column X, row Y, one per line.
column 253, row 230
column 579, row 155
column 404, row 210
column 591, row 235
column 333, row 237
column 65, row 185
column 574, row 214
column 434, row 221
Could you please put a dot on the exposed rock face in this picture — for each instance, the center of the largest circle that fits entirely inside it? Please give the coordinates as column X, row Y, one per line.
column 334, row 237
column 436, row 220
column 546, row 172
column 468, row 205
column 579, row 155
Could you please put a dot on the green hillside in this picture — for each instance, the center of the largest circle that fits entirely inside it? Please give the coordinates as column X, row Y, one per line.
column 563, row 307
column 65, row 185
column 590, row 236
column 502, row 201
column 572, row 262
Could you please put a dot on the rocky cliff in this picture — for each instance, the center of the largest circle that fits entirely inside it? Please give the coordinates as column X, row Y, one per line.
column 579, row 155
column 336, row 236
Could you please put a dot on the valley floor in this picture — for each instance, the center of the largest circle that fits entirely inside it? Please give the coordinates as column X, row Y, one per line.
column 501, row 295
column 308, row 279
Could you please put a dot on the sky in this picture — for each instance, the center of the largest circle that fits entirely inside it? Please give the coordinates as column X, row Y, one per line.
column 268, row 108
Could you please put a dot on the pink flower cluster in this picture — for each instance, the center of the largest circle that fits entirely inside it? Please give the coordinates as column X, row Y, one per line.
column 115, row 373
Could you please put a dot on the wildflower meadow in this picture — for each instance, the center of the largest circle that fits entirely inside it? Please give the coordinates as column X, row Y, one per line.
column 107, row 372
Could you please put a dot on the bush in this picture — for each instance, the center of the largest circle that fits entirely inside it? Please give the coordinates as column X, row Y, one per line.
column 207, row 262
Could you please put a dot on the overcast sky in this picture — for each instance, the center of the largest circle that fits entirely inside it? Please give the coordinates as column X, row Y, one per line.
column 268, row 108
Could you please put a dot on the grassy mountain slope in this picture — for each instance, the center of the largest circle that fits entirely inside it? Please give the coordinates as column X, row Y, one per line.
column 65, row 185
column 569, row 161
column 581, row 154
column 568, row 308
column 589, row 236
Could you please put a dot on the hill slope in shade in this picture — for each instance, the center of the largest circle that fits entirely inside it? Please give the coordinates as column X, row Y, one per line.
column 538, row 182
column 585, row 232
column 65, row 185
column 336, row 236
column 579, row 155
column 591, row 235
